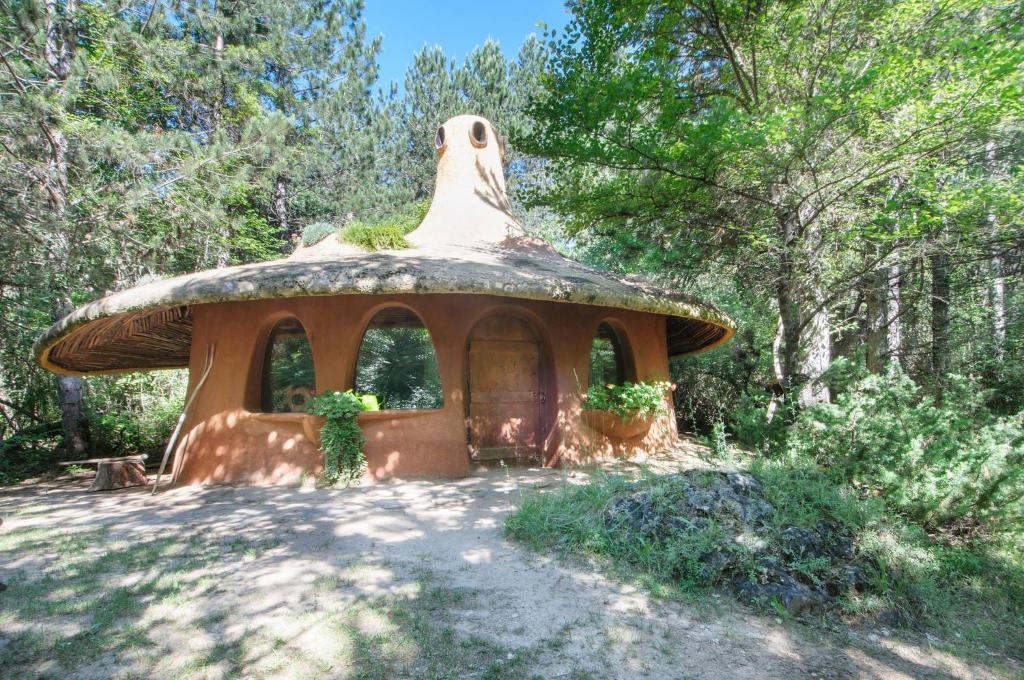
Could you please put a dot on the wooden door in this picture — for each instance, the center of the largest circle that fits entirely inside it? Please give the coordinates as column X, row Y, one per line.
column 505, row 391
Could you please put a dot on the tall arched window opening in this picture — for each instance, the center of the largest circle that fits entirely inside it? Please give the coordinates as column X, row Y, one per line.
column 609, row 364
column 397, row 362
column 289, row 379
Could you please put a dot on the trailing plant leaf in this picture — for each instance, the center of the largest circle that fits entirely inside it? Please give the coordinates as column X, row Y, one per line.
column 341, row 440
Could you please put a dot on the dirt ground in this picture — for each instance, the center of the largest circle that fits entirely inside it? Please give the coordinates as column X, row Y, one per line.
column 324, row 583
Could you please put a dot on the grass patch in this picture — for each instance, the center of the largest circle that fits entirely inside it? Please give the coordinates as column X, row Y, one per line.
column 387, row 233
column 374, row 237
column 970, row 592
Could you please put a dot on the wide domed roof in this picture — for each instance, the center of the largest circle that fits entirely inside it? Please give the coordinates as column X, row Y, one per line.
column 469, row 243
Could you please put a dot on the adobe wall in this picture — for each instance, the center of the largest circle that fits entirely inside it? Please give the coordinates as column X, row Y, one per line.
column 226, row 440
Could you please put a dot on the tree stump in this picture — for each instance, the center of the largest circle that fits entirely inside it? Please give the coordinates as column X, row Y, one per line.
column 118, row 475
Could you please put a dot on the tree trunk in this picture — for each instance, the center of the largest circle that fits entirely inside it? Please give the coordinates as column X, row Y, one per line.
column 874, row 321
column 940, row 315
column 806, row 333
column 893, row 327
column 998, row 281
column 72, row 415
column 998, row 306
column 789, row 319
column 773, row 404
column 58, row 52
column 223, row 256
column 818, row 355
column 281, row 207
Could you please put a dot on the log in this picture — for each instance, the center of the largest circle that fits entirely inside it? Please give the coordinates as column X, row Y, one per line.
column 93, row 461
column 119, row 475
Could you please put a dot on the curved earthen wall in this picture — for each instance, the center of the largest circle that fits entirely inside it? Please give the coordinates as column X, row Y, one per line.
column 226, row 440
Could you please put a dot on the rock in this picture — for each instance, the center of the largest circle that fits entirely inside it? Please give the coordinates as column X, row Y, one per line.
column 775, row 584
column 717, row 562
column 897, row 618
column 845, row 579
column 733, row 503
column 801, row 543
column 838, row 544
column 743, row 483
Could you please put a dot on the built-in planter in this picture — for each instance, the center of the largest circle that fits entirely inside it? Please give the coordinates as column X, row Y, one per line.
column 611, row 424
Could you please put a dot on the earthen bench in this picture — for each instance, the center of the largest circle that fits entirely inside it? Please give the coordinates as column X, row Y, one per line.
column 115, row 473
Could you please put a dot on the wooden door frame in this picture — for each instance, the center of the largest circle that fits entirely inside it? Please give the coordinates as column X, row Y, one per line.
column 546, row 376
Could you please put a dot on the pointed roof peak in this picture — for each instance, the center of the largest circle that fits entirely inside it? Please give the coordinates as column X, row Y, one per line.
column 470, row 203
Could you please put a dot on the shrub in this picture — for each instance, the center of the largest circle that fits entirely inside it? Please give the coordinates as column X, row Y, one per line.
column 718, row 441
column 389, row 232
column 134, row 413
column 407, row 217
column 749, row 423
column 938, row 463
column 341, row 440
column 375, row 237
column 629, row 398
column 317, row 231
column 31, row 452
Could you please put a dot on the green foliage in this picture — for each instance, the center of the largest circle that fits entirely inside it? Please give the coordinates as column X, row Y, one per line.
column 341, row 439
column 629, row 398
column 389, row 232
column 967, row 590
column 32, row 452
column 938, row 463
column 135, row 413
column 374, row 237
column 748, row 421
column 315, row 232
column 399, row 367
column 691, row 137
column 718, row 441
column 292, row 376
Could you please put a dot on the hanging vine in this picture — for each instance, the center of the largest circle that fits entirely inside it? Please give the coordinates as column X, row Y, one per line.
column 341, row 439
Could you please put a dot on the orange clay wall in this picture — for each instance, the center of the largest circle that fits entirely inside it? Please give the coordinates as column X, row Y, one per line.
column 225, row 440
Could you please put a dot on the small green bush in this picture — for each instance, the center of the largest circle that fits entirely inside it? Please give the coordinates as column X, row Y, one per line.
column 937, row 463
column 32, row 452
column 374, row 237
column 629, row 398
column 407, row 217
column 341, row 439
column 315, row 232
column 718, row 441
column 749, row 423
column 389, row 232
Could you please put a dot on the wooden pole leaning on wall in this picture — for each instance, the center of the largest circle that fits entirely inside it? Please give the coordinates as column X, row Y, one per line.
column 173, row 441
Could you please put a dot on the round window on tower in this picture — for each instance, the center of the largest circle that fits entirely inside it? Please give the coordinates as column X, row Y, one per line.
column 439, row 138
column 478, row 134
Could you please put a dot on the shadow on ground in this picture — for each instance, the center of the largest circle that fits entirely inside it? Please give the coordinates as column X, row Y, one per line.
column 410, row 579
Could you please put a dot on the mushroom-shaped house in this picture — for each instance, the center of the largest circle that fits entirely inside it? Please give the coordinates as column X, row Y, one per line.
column 477, row 340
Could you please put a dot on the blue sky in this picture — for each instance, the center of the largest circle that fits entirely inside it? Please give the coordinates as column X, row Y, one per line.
column 456, row 25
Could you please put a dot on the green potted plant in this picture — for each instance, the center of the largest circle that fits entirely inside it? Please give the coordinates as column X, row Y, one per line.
column 626, row 410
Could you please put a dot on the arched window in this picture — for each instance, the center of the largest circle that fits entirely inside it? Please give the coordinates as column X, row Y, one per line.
column 289, row 380
column 397, row 362
column 608, row 362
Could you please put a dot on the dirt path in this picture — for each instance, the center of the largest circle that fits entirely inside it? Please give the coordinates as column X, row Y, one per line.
column 288, row 565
